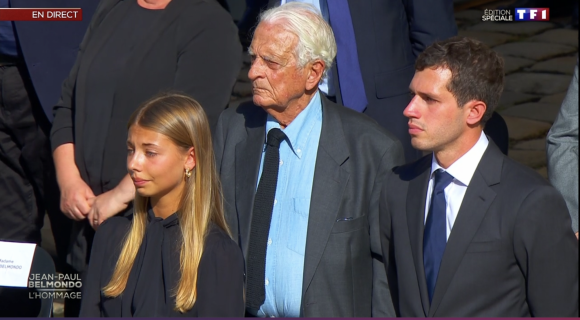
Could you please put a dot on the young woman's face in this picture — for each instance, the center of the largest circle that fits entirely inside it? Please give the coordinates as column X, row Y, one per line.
column 156, row 164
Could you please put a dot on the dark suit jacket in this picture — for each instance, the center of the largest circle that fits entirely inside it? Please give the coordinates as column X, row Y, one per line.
column 342, row 264
column 390, row 34
column 511, row 252
column 195, row 50
column 49, row 48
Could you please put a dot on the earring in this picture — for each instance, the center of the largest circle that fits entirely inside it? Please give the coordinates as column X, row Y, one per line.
column 188, row 173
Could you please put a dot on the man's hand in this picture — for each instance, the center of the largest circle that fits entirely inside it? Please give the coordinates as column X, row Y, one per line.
column 111, row 202
column 576, row 235
column 75, row 199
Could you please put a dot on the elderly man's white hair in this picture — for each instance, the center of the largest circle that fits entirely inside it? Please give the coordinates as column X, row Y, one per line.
column 315, row 36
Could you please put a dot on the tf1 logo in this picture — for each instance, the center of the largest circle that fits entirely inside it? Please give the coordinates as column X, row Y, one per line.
column 532, row 14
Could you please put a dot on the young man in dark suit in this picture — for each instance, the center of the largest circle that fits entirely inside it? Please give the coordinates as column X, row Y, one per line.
column 467, row 231
column 301, row 178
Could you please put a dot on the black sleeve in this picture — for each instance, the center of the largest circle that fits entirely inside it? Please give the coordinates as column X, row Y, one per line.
column 62, row 125
column 220, row 280
column 210, row 62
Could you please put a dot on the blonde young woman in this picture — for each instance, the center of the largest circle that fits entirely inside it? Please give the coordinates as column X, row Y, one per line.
column 173, row 256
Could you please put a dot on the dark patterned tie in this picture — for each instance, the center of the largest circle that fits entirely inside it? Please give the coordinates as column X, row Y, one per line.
column 435, row 234
column 261, row 217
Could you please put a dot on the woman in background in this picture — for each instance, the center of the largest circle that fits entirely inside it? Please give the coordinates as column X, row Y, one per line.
column 132, row 50
column 173, row 256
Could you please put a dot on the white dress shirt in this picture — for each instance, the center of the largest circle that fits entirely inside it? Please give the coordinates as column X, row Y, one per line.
column 462, row 171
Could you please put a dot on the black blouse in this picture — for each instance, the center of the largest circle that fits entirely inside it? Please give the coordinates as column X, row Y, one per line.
column 155, row 273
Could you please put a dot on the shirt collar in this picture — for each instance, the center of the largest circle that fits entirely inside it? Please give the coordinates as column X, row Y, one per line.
column 463, row 168
column 297, row 131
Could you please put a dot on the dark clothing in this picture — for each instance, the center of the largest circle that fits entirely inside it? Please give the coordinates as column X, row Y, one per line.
column 192, row 47
column 511, row 252
column 7, row 36
column 24, row 157
column 45, row 51
column 49, row 48
column 343, row 268
column 497, row 130
column 133, row 25
column 27, row 179
column 156, row 273
column 28, row 187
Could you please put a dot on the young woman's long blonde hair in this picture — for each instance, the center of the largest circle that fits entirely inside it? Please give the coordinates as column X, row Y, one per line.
column 184, row 122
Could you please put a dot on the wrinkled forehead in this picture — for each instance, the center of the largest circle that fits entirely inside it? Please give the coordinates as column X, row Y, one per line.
column 276, row 34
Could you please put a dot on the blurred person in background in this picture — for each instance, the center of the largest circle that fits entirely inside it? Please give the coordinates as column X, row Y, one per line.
column 562, row 151
column 250, row 19
column 35, row 58
column 174, row 255
column 132, row 50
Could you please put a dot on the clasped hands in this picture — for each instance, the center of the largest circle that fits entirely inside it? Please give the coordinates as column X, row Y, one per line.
column 78, row 201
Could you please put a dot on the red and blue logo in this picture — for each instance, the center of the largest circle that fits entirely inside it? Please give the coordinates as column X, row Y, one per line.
column 532, row 14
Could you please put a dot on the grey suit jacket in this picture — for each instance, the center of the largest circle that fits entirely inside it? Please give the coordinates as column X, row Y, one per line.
column 511, row 252
column 562, row 148
column 343, row 269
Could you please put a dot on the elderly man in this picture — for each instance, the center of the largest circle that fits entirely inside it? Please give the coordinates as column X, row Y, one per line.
column 466, row 231
column 301, row 179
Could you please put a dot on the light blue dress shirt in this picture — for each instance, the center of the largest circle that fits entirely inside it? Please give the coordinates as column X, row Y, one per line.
column 287, row 237
column 326, row 83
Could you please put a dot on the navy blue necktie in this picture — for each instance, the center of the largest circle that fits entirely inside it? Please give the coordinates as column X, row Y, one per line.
column 349, row 75
column 435, row 234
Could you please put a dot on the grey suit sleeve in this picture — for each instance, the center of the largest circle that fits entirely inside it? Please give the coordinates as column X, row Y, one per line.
column 429, row 21
column 562, row 149
column 547, row 253
column 382, row 305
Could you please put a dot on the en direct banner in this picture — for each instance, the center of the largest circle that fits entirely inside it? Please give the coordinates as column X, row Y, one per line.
column 41, row 14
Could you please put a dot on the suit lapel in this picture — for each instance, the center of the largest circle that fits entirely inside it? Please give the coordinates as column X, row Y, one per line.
column 330, row 180
column 247, row 162
column 478, row 197
column 417, row 192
